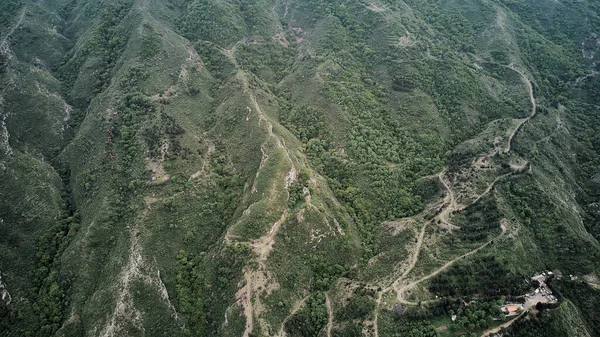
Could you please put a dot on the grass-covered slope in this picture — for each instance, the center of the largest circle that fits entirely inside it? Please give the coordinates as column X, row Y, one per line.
column 300, row 168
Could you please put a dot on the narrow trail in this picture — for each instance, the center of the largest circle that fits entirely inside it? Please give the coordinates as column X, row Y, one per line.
column 450, row 200
column 329, row 314
column 594, row 285
column 295, row 309
column 247, row 305
column 376, row 315
column 415, row 255
column 299, row 305
column 413, row 262
column 257, row 278
column 450, row 206
column 230, row 54
column 4, row 41
column 486, row 192
column 292, row 175
column 264, row 245
column 403, row 289
column 533, row 107
column 500, row 327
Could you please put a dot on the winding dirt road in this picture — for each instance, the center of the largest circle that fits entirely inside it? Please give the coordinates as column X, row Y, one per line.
column 403, row 289
column 444, row 217
column 533, row 107
column 451, row 206
column 329, row 315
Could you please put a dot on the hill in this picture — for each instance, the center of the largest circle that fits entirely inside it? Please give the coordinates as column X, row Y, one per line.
column 298, row 168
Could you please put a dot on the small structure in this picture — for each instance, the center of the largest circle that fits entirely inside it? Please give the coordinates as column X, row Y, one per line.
column 511, row 309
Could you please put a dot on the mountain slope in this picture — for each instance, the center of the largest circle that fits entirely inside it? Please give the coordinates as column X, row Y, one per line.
column 300, row 168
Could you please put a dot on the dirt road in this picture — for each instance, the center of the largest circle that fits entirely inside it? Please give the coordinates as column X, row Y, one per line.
column 533, row 107
column 295, row 309
column 450, row 207
column 400, row 291
column 394, row 285
column 500, row 327
column 4, row 48
column 449, row 200
column 329, row 315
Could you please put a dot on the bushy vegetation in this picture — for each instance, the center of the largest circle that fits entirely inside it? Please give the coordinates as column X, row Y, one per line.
column 477, row 315
column 47, row 294
column 217, row 63
column 204, row 285
column 103, row 48
column 482, row 275
column 307, row 123
column 51, row 299
column 205, row 282
column 545, row 221
column 269, row 60
column 8, row 13
column 310, row 320
column 471, row 317
column 358, row 307
column 150, row 46
column 369, row 100
column 542, row 325
column 108, row 42
column 393, row 325
column 215, row 21
column 586, row 298
column 479, row 221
